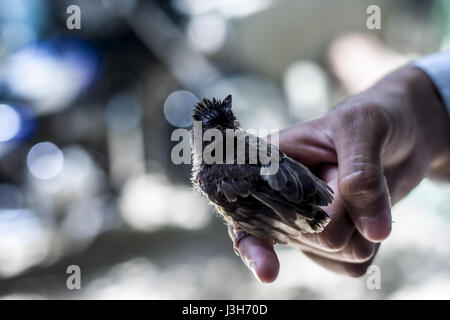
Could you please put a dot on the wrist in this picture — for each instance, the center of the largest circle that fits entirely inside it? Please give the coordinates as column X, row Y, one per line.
column 430, row 115
column 420, row 121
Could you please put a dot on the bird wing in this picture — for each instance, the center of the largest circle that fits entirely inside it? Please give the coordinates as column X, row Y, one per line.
column 279, row 206
column 295, row 187
column 296, row 184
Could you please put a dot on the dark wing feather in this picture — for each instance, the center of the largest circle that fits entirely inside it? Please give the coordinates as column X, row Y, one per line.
column 302, row 190
column 301, row 185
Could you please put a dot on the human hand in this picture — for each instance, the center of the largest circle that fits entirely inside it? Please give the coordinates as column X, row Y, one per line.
column 372, row 150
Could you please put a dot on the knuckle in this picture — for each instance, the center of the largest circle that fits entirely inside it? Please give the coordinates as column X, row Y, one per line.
column 330, row 240
column 356, row 270
column 364, row 182
column 333, row 241
column 363, row 251
column 366, row 116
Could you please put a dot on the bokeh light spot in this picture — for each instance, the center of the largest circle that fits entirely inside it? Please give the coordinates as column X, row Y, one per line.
column 9, row 123
column 178, row 108
column 45, row 160
column 207, row 32
column 305, row 83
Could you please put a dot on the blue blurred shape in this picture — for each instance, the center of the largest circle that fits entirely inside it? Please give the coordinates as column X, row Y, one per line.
column 21, row 22
column 51, row 74
column 9, row 123
column 17, row 122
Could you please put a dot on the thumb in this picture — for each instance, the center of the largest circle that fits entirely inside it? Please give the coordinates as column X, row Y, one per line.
column 362, row 184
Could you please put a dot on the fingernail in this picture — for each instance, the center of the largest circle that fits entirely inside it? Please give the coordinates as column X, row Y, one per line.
column 377, row 228
column 253, row 268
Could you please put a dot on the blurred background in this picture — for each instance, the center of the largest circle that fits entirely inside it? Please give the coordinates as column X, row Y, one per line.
column 85, row 123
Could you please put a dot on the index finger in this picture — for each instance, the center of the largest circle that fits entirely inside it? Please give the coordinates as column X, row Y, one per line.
column 259, row 256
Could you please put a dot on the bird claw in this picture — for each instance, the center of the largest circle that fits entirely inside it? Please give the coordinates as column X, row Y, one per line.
column 239, row 235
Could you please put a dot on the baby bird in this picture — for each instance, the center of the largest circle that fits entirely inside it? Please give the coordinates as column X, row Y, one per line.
column 279, row 205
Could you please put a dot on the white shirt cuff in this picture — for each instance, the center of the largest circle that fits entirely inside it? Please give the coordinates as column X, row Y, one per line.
column 437, row 67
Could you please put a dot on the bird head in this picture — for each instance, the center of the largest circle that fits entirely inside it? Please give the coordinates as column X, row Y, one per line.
column 215, row 114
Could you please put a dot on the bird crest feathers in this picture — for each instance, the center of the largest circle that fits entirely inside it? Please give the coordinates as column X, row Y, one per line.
column 208, row 108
